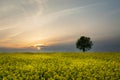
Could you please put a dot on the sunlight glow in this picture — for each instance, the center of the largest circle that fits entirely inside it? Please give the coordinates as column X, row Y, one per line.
column 38, row 46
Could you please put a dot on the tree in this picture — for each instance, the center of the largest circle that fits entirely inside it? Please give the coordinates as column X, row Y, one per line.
column 84, row 43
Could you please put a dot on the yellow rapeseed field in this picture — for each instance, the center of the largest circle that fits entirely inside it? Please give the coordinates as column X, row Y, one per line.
column 60, row 66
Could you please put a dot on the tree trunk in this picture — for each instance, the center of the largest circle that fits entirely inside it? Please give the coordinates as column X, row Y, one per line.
column 83, row 49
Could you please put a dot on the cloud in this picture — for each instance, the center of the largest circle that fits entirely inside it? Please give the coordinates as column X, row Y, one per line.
column 55, row 15
column 8, row 49
column 32, row 21
column 17, row 9
column 14, row 15
column 5, row 28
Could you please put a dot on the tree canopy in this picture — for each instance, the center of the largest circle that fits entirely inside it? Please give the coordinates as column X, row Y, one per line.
column 84, row 43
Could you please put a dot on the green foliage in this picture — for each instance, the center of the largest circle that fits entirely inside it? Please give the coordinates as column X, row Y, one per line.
column 84, row 43
column 60, row 66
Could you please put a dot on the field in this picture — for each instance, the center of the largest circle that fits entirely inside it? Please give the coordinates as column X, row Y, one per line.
column 60, row 66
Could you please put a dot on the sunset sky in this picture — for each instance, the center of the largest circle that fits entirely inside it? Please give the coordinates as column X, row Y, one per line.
column 55, row 25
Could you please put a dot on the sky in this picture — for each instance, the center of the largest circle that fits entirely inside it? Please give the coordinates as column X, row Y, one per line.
column 55, row 25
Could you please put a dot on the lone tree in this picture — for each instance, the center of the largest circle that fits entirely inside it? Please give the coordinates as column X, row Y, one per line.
column 84, row 43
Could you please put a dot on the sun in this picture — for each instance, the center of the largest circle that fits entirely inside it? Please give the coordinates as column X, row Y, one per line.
column 38, row 46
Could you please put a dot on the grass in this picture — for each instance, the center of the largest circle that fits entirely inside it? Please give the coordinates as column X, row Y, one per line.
column 60, row 66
